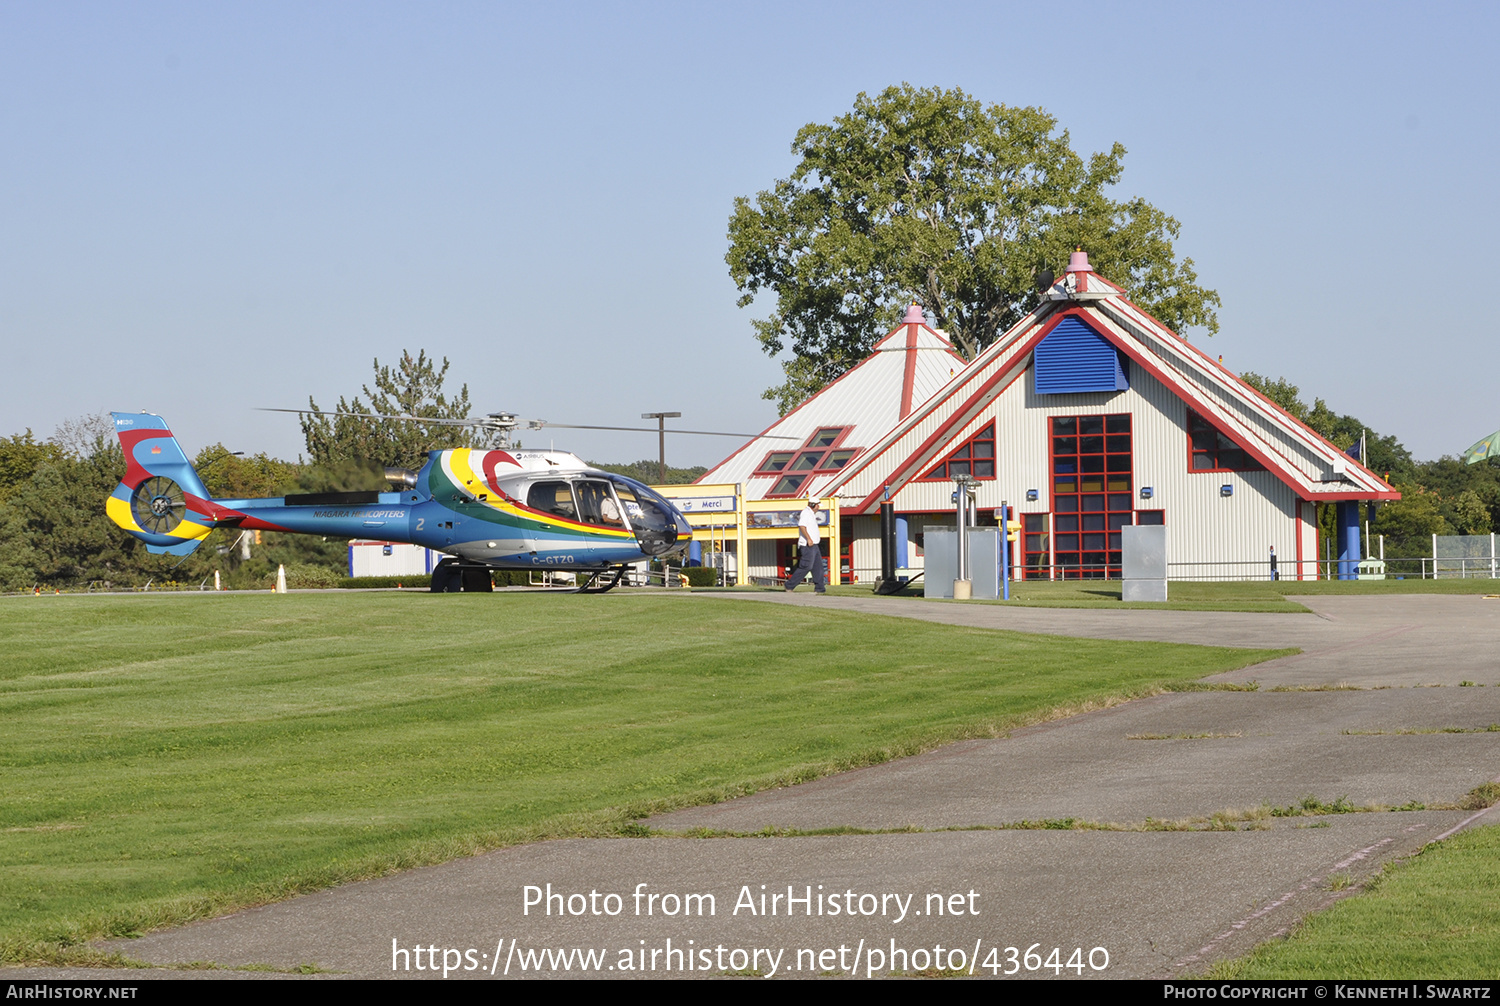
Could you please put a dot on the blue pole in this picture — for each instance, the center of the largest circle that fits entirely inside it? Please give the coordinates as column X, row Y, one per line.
column 902, row 538
column 1347, row 519
column 1005, row 552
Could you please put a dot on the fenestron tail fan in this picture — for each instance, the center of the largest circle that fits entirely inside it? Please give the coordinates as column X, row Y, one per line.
column 162, row 501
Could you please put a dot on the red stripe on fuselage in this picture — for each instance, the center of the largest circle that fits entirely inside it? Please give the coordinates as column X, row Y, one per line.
column 491, row 459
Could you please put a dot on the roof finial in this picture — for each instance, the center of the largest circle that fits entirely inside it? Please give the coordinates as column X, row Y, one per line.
column 914, row 316
column 1079, row 261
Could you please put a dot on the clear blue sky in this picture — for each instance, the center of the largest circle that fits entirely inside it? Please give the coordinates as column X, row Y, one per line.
column 211, row 207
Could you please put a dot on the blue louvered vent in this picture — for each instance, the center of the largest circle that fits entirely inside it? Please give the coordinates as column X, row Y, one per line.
column 1075, row 358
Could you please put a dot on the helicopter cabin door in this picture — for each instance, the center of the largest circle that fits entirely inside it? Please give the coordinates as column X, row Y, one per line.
column 586, row 502
column 598, row 508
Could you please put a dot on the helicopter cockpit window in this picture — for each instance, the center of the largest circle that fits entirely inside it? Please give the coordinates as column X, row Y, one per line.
column 596, row 504
column 555, row 498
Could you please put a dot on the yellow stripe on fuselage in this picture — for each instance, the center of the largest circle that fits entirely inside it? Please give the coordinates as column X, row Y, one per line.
column 458, row 465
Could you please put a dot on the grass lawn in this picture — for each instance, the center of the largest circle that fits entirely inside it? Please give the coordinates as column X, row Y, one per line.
column 1434, row 916
column 167, row 757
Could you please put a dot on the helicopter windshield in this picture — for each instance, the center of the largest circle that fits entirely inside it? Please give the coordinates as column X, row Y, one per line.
column 657, row 524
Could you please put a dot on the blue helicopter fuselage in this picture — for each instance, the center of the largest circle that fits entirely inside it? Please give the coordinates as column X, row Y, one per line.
column 511, row 509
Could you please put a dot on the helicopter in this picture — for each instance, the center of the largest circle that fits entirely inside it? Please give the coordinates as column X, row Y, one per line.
column 486, row 508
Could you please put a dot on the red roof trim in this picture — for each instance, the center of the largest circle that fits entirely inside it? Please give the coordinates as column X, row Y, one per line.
column 928, row 405
column 1290, row 479
column 1293, row 480
column 1363, row 495
column 909, row 376
column 913, row 459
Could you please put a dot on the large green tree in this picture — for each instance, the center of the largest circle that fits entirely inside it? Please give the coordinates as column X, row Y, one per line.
column 414, row 387
column 20, row 457
column 929, row 196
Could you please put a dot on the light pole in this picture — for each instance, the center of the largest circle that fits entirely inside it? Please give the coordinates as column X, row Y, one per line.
column 661, row 437
column 963, row 497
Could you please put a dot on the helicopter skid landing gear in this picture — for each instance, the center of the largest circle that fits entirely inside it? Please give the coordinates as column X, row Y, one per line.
column 593, row 586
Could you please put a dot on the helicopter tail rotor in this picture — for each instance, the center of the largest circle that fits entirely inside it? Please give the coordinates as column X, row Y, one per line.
column 161, row 499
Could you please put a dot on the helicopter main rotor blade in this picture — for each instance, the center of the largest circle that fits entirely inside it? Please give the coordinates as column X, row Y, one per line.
column 652, row 429
column 403, row 419
column 534, row 424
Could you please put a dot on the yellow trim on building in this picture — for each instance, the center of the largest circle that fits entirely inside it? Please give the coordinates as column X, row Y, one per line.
column 716, row 527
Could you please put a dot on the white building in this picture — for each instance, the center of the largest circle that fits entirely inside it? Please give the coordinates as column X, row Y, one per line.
column 1086, row 416
column 389, row 558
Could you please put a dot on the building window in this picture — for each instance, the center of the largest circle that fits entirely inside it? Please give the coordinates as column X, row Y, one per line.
column 837, row 460
column 807, row 461
column 976, row 457
column 1211, row 451
column 815, row 461
column 827, row 436
column 787, row 485
column 775, row 462
column 795, row 467
column 1150, row 518
column 1091, row 493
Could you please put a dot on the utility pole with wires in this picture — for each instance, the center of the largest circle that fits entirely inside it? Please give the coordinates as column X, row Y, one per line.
column 661, row 438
